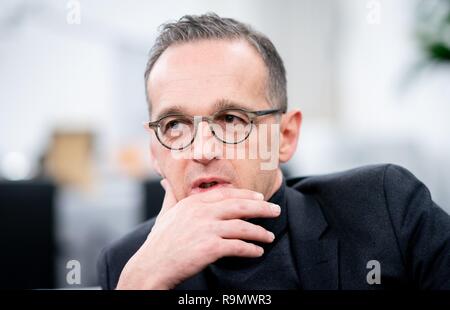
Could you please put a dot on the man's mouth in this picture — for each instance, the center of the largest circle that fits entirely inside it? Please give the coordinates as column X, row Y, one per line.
column 206, row 184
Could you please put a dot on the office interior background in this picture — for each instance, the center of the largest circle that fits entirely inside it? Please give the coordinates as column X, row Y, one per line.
column 372, row 79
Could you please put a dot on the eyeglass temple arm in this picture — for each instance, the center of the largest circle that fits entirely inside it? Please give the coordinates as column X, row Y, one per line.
column 152, row 124
column 266, row 112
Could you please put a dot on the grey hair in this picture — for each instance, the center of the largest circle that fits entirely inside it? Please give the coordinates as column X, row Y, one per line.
column 191, row 28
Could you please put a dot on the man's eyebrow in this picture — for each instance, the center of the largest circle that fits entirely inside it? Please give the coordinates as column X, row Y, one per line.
column 221, row 104
column 170, row 110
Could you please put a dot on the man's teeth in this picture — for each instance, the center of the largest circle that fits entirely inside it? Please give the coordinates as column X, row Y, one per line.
column 206, row 185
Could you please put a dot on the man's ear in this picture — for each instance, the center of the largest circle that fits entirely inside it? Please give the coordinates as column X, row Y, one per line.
column 289, row 134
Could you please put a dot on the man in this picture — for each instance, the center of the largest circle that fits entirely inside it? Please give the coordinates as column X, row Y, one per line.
column 213, row 86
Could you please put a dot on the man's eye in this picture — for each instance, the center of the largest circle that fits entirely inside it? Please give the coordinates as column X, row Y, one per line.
column 231, row 119
column 173, row 124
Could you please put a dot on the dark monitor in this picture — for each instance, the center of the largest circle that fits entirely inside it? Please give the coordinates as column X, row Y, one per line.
column 153, row 198
column 27, row 239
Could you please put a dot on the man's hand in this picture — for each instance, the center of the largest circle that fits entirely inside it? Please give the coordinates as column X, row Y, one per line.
column 196, row 231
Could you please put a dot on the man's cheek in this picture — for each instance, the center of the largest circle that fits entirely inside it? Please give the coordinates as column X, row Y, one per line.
column 160, row 164
column 166, row 171
column 156, row 157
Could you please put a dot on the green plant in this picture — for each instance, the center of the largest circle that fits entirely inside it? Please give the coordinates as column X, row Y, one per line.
column 433, row 29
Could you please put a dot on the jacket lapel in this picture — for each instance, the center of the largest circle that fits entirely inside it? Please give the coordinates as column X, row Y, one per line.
column 315, row 253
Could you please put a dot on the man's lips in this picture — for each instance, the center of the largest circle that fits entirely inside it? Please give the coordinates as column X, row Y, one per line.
column 209, row 183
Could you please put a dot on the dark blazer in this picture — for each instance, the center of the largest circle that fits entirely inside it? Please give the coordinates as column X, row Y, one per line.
column 337, row 224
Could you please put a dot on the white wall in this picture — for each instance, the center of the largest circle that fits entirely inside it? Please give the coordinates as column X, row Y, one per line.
column 90, row 75
column 384, row 113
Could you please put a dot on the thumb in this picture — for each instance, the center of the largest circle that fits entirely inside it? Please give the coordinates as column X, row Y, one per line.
column 169, row 197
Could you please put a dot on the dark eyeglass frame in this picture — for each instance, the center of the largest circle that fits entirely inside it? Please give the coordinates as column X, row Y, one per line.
column 252, row 115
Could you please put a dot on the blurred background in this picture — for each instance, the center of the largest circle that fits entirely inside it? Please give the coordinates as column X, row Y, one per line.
column 372, row 79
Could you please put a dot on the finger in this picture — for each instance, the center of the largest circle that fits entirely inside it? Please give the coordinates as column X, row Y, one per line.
column 228, row 192
column 245, row 209
column 234, row 247
column 169, row 196
column 240, row 229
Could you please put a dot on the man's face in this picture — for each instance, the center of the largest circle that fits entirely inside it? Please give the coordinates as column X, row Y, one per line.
column 195, row 78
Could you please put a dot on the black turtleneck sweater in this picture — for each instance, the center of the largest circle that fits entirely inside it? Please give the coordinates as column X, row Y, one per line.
column 274, row 270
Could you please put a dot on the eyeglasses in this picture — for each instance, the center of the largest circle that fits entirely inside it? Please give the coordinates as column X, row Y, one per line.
column 231, row 126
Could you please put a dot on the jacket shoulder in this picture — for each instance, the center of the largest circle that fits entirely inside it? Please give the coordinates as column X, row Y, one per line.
column 384, row 211
column 369, row 192
column 364, row 174
column 369, row 181
column 113, row 257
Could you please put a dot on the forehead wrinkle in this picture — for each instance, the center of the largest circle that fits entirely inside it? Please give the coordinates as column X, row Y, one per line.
column 172, row 82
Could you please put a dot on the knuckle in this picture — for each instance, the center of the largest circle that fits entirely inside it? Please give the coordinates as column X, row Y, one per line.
column 241, row 207
column 197, row 211
column 208, row 247
column 213, row 228
column 261, row 231
column 244, row 229
column 222, row 194
column 240, row 248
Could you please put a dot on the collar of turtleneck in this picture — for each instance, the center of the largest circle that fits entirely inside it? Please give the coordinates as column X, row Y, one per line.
column 276, row 225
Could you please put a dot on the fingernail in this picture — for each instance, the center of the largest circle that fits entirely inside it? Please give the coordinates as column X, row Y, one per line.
column 271, row 235
column 259, row 196
column 275, row 208
column 162, row 183
column 260, row 250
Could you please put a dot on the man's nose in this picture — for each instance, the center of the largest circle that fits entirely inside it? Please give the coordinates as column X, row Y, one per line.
column 205, row 146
